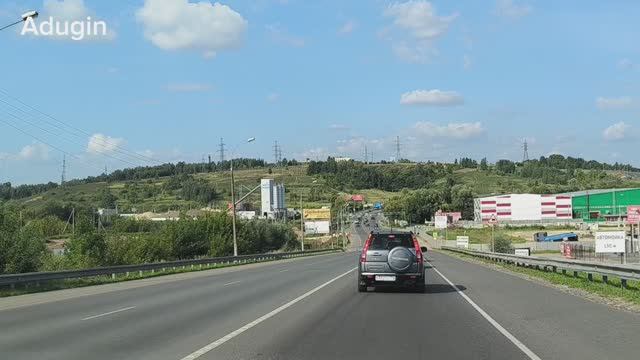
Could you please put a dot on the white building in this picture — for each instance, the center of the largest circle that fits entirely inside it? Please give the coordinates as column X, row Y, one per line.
column 523, row 207
column 272, row 199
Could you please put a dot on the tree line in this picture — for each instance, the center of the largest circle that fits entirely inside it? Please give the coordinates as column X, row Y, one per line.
column 23, row 244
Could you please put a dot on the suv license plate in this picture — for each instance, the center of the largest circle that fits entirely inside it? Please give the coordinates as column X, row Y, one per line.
column 385, row 278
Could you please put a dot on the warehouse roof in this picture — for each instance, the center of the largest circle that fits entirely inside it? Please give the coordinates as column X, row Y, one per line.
column 596, row 191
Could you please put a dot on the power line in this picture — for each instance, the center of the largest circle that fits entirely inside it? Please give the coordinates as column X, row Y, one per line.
column 48, row 144
column 71, row 141
column 77, row 130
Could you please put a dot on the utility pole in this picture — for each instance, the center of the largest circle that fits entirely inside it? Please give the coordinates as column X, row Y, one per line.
column 302, row 220
column 64, row 169
column 233, row 211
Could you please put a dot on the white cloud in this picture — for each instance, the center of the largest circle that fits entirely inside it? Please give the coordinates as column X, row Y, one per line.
column 69, row 11
column 282, row 36
column 616, row 132
column 622, row 102
column 433, row 97
column 419, row 27
column 627, row 64
column 183, row 25
column 467, row 62
column 273, row 97
column 348, row 27
column 318, row 153
column 339, row 127
column 188, row 87
column 35, row 151
column 511, row 10
column 452, row 130
column 100, row 144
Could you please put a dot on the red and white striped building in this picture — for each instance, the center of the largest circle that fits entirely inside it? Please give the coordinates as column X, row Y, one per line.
column 523, row 207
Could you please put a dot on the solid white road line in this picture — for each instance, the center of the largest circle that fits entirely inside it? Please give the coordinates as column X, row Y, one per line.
column 231, row 283
column 109, row 313
column 495, row 324
column 283, row 270
column 198, row 353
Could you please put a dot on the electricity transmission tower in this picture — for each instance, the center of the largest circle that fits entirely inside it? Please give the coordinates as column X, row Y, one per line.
column 397, row 148
column 525, row 148
column 221, row 150
column 63, row 177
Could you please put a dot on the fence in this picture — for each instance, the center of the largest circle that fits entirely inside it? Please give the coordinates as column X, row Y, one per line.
column 113, row 271
column 623, row 272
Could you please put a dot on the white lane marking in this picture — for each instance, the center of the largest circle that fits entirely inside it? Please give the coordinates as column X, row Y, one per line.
column 109, row 313
column 231, row 283
column 198, row 353
column 283, row 270
column 495, row 324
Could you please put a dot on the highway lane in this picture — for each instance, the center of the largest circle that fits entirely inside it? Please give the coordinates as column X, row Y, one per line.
column 320, row 315
column 169, row 319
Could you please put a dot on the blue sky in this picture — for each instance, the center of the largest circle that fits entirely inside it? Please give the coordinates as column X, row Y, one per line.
column 450, row 79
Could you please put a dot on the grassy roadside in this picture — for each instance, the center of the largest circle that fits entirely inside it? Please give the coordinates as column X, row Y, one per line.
column 107, row 279
column 612, row 290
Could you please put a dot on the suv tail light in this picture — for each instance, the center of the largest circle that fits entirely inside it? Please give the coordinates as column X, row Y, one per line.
column 365, row 248
column 416, row 245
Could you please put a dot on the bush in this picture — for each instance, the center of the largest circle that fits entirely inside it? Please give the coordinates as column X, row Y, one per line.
column 502, row 244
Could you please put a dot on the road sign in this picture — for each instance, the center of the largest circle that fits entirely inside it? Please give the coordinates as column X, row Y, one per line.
column 610, row 242
column 462, row 241
column 633, row 214
column 523, row 252
column 493, row 220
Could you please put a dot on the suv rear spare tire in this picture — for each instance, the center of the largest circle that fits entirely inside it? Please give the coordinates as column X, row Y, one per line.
column 400, row 259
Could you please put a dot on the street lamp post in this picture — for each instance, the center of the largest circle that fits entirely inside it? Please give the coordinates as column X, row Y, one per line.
column 233, row 205
column 28, row 15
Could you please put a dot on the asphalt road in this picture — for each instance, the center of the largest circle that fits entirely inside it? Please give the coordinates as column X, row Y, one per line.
column 310, row 309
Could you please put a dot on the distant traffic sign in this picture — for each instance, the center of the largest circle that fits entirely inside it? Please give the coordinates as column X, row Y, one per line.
column 492, row 220
column 462, row 241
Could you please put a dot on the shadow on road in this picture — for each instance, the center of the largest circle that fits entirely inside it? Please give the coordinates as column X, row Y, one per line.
column 429, row 289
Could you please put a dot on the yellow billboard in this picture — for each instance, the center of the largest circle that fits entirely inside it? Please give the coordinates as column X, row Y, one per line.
column 317, row 214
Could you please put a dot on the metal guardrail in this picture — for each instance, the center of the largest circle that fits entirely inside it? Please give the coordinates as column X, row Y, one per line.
column 41, row 277
column 623, row 272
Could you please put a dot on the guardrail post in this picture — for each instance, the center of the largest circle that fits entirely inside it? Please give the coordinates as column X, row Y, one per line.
column 153, row 271
column 140, row 273
column 564, row 271
column 555, row 268
column 590, row 276
column 113, row 275
column 623, row 283
column 575, row 274
column 127, row 274
column 605, row 279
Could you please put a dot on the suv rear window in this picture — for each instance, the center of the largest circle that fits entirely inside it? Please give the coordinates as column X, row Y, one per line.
column 389, row 241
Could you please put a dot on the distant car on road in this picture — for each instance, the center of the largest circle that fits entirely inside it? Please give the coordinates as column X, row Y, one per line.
column 392, row 259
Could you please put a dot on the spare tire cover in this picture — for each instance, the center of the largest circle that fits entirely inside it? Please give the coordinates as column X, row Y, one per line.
column 400, row 259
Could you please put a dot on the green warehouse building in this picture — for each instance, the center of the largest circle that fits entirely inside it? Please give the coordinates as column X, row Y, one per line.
column 603, row 205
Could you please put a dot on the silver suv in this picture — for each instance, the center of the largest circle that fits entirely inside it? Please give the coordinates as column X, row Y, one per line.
column 392, row 259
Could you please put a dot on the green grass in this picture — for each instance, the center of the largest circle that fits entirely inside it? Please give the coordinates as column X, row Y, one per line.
column 479, row 236
column 107, row 279
column 612, row 289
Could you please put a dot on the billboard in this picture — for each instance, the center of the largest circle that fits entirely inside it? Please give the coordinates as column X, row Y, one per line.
column 317, row 214
column 317, row 227
column 610, row 242
column 633, row 214
column 441, row 221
